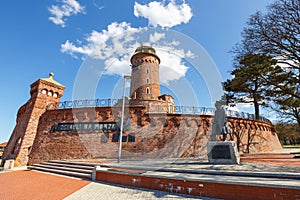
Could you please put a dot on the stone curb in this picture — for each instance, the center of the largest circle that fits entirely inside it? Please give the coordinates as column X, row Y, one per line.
column 284, row 175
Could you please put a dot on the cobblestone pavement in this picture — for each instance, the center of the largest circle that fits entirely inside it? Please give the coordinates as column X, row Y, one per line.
column 105, row 191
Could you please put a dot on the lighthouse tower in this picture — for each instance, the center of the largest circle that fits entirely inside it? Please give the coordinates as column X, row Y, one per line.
column 145, row 86
column 145, row 74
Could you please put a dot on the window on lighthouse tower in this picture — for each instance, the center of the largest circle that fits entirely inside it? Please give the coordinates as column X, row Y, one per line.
column 147, row 90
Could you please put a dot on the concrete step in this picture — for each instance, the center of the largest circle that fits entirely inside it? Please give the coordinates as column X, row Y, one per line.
column 61, row 172
column 73, row 163
column 68, row 165
column 74, row 169
column 65, row 168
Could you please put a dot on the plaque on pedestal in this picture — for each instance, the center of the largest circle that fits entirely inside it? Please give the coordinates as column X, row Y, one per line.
column 223, row 153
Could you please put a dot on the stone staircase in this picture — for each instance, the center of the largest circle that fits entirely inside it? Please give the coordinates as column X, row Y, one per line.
column 67, row 168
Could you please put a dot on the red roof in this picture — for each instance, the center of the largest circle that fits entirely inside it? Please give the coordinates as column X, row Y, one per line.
column 3, row 144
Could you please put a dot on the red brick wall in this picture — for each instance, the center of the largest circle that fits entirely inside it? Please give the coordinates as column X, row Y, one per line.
column 21, row 140
column 147, row 69
column 253, row 136
column 157, row 135
column 199, row 188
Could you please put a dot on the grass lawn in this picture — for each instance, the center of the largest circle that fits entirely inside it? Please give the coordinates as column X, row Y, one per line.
column 291, row 146
column 297, row 155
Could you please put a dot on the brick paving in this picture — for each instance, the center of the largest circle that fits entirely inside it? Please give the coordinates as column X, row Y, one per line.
column 26, row 185
column 287, row 160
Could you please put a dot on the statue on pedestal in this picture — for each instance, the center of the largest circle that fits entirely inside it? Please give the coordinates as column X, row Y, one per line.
column 219, row 125
column 221, row 152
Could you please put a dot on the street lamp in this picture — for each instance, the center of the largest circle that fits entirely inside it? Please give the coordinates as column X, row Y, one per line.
column 122, row 118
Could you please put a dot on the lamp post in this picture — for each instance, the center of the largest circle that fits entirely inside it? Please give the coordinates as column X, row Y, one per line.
column 122, row 118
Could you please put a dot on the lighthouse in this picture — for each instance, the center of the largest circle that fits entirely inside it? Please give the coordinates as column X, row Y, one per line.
column 145, row 74
column 145, row 85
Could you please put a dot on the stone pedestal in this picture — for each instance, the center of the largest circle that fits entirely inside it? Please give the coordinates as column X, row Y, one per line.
column 223, row 153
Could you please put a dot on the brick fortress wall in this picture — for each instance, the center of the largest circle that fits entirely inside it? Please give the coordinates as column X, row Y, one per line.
column 157, row 135
column 43, row 92
column 152, row 133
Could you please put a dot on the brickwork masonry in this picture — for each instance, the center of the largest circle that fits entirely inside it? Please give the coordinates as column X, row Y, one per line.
column 43, row 92
column 156, row 135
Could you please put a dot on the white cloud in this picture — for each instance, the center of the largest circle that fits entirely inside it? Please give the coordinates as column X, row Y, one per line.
column 66, row 9
column 190, row 54
column 70, row 48
column 115, row 45
column 232, row 108
column 171, row 67
column 117, row 66
column 115, row 40
column 156, row 37
column 285, row 63
column 163, row 15
column 97, row 6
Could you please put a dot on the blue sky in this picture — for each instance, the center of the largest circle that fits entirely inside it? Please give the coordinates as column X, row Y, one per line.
column 36, row 41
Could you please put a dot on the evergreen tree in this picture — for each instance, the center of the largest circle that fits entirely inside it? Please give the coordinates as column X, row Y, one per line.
column 248, row 84
column 277, row 34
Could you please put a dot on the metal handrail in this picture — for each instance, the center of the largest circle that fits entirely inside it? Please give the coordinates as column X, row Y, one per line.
column 154, row 108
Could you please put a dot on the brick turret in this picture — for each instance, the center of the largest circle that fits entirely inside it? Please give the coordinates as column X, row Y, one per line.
column 43, row 92
column 145, row 74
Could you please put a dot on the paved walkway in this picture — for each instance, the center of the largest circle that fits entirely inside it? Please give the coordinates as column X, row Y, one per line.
column 25, row 184
column 105, row 191
column 284, row 157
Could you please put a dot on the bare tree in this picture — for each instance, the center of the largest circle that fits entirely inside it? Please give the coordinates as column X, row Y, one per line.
column 277, row 34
